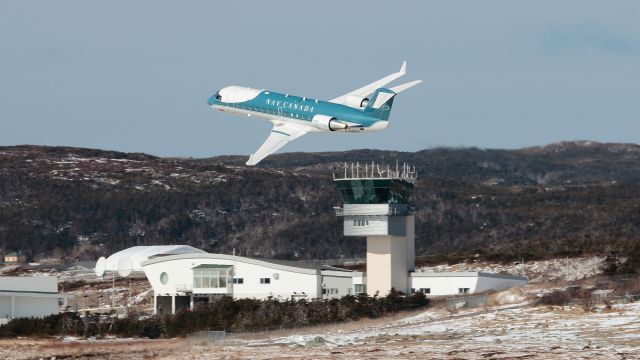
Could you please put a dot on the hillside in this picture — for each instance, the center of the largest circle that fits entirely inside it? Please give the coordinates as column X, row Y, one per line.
column 562, row 199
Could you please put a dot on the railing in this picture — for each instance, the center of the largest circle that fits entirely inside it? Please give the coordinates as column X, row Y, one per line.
column 390, row 212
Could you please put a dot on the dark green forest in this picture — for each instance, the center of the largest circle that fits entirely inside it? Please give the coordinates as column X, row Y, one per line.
column 563, row 199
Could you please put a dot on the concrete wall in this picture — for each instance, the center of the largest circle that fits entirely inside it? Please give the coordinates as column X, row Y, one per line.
column 387, row 264
column 410, row 233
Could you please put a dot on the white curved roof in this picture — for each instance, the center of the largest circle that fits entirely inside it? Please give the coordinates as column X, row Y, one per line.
column 138, row 254
column 235, row 94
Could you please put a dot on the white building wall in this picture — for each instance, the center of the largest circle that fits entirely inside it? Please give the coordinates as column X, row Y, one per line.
column 336, row 284
column 377, row 225
column 444, row 285
column 284, row 280
column 5, row 307
column 450, row 283
column 27, row 306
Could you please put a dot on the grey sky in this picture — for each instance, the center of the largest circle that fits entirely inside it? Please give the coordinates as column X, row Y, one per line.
column 135, row 75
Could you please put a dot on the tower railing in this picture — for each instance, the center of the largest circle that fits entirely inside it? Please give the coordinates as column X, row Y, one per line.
column 375, row 171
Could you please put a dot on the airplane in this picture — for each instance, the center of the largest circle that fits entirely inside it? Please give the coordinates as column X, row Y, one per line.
column 363, row 110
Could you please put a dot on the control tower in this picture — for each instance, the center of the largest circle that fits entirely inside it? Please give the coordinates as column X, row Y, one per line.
column 375, row 205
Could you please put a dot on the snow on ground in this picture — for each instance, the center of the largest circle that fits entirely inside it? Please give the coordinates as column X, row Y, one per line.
column 569, row 269
column 501, row 332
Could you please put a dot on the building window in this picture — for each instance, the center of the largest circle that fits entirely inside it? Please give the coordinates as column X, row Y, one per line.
column 164, row 278
column 265, row 280
column 463, row 290
column 359, row 288
column 210, row 278
column 330, row 291
column 238, row 280
column 360, row 222
column 426, row 290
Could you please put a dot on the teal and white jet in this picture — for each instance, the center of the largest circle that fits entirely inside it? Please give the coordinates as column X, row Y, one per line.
column 362, row 110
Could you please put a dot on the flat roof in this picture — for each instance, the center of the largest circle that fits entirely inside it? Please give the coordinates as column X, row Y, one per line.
column 287, row 265
column 212, row 266
column 35, row 294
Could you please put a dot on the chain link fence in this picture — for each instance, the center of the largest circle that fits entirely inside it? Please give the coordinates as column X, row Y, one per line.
column 470, row 301
column 203, row 338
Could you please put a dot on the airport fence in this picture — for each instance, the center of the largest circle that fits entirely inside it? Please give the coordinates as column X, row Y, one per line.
column 202, row 338
column 470, row 301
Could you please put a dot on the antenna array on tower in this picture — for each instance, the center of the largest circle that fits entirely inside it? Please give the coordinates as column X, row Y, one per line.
column 375, row 171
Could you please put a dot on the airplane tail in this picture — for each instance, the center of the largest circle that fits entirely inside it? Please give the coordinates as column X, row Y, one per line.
column 381, row 100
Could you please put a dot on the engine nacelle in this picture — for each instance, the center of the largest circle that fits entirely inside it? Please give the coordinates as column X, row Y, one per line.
column 327, row 122
column 356, row 101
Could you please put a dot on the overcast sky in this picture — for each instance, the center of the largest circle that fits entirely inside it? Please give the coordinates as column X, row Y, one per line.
column 135, row 75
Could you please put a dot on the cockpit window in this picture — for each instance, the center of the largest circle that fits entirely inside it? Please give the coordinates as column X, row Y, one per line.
column 218, row 97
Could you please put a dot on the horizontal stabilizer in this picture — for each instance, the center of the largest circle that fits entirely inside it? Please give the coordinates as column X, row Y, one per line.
column 400, row 88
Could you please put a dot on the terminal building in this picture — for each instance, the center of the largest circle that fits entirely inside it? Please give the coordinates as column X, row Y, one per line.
column 183, row 281
column 375, row 206
column 29, row 296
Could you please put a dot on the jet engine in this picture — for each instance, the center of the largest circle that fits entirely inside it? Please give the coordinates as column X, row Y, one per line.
column 328, row 122
column 356, row 101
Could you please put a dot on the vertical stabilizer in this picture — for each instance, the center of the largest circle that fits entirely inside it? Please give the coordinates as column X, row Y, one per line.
column 380, row 104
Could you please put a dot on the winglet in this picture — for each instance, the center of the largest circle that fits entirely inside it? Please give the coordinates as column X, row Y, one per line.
column 252, row 160
column 403, row 69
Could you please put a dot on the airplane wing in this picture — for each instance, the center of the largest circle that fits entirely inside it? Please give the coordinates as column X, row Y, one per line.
column 368, row 89
column 280, row 135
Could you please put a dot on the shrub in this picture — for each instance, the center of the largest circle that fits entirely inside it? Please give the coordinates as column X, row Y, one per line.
column 556, row 297
column 223, row 314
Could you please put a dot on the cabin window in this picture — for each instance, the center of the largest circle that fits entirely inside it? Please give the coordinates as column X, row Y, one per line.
column 238, row 280
column 164, row 278
column 265, row 280
column 463, row 290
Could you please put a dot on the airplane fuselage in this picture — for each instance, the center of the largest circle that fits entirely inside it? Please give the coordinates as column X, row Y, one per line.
column 362, row 110
column 285, row 108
